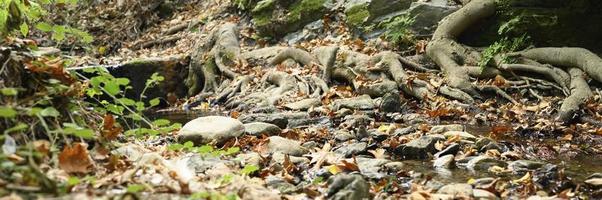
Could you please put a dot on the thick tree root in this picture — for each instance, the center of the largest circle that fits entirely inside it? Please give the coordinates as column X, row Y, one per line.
column 580, row 93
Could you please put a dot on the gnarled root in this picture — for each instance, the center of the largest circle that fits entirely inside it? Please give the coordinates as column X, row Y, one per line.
column 580, row 93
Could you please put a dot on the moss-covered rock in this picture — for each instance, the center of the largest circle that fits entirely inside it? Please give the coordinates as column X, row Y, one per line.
column 359, row 12
column 276, row 18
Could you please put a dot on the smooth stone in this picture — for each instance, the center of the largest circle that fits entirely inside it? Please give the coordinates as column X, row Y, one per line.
column 483, row 194
column 371, row 167
column 258, row 128
column 523, row 166
column 596, row 182
column 348, row 187
column 342, row 136
column 280, row 184
column 279, row 158
column 445, row 128
column 286, row 146
column 363, row 102
column 210, row 129
column 462, row 189
column 394, row 166
column 420, row 148
column 449, row 150
column 304, row 104
column 446, row 161
column 484, row 163
column 352, row 149
column 461, row 134
column 251, row 158
column 391, row 102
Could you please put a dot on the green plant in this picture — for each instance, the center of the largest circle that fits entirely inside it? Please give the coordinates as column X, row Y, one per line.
column 205, row 150
column 507, row 43
column 397, row 29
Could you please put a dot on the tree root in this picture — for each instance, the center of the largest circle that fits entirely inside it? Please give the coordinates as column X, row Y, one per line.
column 580, row 93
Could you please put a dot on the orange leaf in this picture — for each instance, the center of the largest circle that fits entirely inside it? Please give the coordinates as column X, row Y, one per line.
column 110, row 129
column 75, row 159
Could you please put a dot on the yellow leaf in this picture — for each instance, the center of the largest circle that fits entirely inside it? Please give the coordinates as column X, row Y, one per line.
column 333, row 169
column 383, row 128
column 525, row 179
column 471, row 181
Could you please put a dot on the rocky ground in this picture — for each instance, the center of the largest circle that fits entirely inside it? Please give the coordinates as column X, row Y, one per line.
column 275, row 129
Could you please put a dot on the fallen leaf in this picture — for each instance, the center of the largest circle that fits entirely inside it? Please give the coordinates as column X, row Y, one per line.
column 378, row 153
column 75, row 159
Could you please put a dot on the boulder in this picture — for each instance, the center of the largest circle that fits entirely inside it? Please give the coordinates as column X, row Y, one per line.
column 286, row 146
column 210, row 129
column 258, row 128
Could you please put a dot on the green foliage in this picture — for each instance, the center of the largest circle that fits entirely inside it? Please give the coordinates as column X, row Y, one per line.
column 213, row 196
column 205, row 150
column 20, row 15
column 397, row 29
column 249, row 169
column 507, row 43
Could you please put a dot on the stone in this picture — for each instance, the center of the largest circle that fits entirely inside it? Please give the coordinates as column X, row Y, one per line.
column 278, row 157
column 483, row 194
column 404, row 131
column 457, row 189
column 251, row 158
column 389, row 103
column 304, row 104
column 279, row 119
column 449, row 150
column 348, row 187
column 439, row 129
column 352, row 149
column 419, row 148
column 359, row 12
column 427, row 16
column 394, row 166
column 484, row 163
column 286, row 146
column 523, row 166
column 446, row 161
column 461, row 134
column 277, row 182
column 363, row 102
column 595, row 182
column 278, row 18
column 371, row 167
column 343, row 136
column 259, row 128
column 210, row 129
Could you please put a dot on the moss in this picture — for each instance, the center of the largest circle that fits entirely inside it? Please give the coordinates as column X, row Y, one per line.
column 303, row 8
column 357, row 14
column 262, row 13
column 264, row 6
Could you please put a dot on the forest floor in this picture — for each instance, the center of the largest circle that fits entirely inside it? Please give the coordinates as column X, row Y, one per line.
column 338, row 144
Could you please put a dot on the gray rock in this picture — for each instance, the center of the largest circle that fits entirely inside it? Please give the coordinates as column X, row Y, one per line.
column 310, row 145
column 348, row 187
column 251, row 158
column 391, row 102
column 258, row 128
column 420, row 148
column 446, row 161
column 372, row 167
column 404, row 131
column 445, row 128
column 523, row 166
column 461, row 134
column 343, row 135
column 303, row 104
column 277, row 182
column 279, row 119
column 457, row 189
column 450, row 150
column 278, row 157
column 363, row 102
column 201, row 164
column 427, row 16
column 287, row 146
column 483, row 194
column 131, row 152
column 484, row 163
column 352, row 149
column 208, row 129
column 394, row 166
column 413, row 118
column 360, row 11
column 595, row 182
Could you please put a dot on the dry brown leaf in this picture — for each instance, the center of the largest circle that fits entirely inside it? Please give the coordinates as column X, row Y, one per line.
column 110, row 128
column 378, row 153
column 75, row 159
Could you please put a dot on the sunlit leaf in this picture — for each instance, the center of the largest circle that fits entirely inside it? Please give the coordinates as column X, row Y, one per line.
column 7, row 112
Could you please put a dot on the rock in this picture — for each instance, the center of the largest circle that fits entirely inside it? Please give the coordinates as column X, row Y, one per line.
column 131, row 152
column 412, row 118
column 371, row 167
column 277, row 18
column 343, row 135
column 391, row 102
column 303, row 104
column 595, row 182
column 483, row 183
column 359, row 12
column 445, row 128
column 456, row 189
column 310, row 144
column 278, row 157
column 485, row 144
column 484, row 163
column 394, row 166
column 277, row 182
column 348, row 187
column 286, row 146
column 446, row 161
column 450, row 150
column 209, row 129
column 461, row 134
column 201, row 164
column 404, row 131
column 352, row 149
column 523, row 166
column 279, row 119
column 427, row 15
column 363, row 102
column 483, row 194
column 250, row 158
column 308, row 32
column 420, row 148
column 258, row 128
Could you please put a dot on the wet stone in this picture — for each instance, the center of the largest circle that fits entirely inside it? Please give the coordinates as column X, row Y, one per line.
column 450, row 150
column 420, row 148
column 484, row 163
column 352, row 149
column 259, row 128
column 446, row 161
column 391, row 102
column 523, row 166
column 209, row 129
column 286, row 146
column 372, row 167
column 457, row 189
column 348, row 187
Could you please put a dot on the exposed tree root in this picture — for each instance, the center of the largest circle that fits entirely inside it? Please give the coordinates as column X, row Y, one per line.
column 580, row 93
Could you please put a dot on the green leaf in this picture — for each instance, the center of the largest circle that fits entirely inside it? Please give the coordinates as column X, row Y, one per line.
column 49, row 112
column 7, row 112
column 161, row 122
column 249, row 169
column 44, row 27
column 175, row 147
column 58, row 32
column 24, row 28
column 9, row 91
column 205, row 149
column 19, row 127
column 154, row 102
column 135, row 188
column 122, row 81
column 188, row 145
column 73, row 181
column 232, row 150
column 112, row 88
column 127, row 101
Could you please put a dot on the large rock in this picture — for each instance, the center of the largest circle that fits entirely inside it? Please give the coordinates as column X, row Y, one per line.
column 258, row 128
column 457, row 189
column 361, row 11
column 446, row 161
column 286, row 146
column 484, row 163
column 303, row 104
column 209, row 129
column 279, row 119
column 427, row 16
column 372, row 167
column 363, row 102
column 277, row 18
column 348, row 187
column 420, row 148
